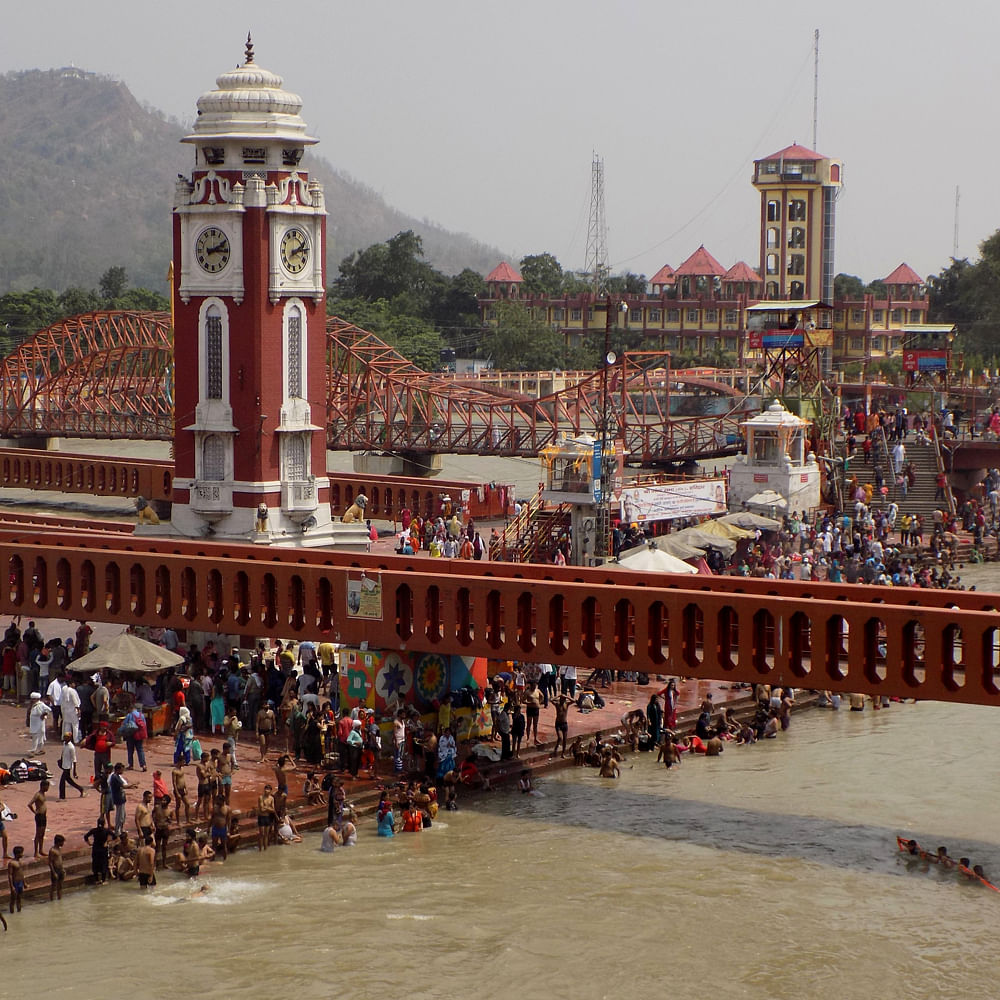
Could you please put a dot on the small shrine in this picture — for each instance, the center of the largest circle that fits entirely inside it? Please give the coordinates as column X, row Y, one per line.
column 777, row 473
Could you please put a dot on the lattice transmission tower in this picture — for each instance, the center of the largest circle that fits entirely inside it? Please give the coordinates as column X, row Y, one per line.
column 597, row 232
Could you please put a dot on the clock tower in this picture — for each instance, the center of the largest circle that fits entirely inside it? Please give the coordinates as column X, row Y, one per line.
column 249, row 238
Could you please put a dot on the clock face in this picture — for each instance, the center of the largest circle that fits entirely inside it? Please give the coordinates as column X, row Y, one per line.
column 212, row 250
column 294, row 250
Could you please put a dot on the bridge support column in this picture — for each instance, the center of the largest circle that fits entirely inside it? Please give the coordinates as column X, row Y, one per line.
column 40, row 443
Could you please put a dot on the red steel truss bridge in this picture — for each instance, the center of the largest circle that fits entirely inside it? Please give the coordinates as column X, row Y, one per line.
column 110, row 375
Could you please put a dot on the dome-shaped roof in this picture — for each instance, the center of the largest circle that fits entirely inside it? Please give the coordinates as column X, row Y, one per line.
column 249, row 101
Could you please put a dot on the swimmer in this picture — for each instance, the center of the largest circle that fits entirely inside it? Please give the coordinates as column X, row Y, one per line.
column 609, row 767
column 942, row 858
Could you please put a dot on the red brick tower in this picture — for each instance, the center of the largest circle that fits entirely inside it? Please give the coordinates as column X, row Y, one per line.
column 249, row 254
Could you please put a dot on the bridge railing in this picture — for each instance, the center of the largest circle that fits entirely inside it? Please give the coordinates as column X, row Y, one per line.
column 800, row 636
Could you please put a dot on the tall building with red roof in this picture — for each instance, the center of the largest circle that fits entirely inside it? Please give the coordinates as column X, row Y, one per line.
column 798, row 201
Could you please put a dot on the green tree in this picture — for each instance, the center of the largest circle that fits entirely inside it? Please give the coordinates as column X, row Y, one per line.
column 627, row 284
column 414, row 338
column 113, row 283
column 543, row 275
column 848, row 287
column 143, row 299
column 23, row 314
column 519, row 342
column 76, row 301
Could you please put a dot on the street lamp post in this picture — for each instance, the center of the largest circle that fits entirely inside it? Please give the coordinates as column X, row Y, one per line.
column 603, row 548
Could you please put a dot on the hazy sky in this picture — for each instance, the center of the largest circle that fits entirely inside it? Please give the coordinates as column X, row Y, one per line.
column 483, row 117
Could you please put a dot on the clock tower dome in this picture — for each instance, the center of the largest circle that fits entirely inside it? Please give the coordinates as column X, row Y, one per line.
column 249, row 238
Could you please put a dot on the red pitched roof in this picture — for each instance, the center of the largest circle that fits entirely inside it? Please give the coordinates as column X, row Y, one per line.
column 701, row 262
column 794, row 152
column 741, row 271
column 904, row 275
column 665, row 276
column 503, row 272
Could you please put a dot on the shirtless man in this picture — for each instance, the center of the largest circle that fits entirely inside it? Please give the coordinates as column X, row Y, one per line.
column 189, row 858
column 220, row 826
column 144, row 817
column 145, row 864
column 56, row 870
column 205, row 852
column 40, row 808
column 15, row 878
column 3, row 828
column 161, row 827
column 206, row 775
column 562, row 704
column 265, row 817
column 224, row 771
column 714, row 747
column 668, row 752
column 265, row 728
column 609, row 768
column 180, row 792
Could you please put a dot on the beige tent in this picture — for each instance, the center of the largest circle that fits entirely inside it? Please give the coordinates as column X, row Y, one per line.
column 128, row 654
column 723, row 529
column 650, row 559
column 706, row 540
column 748, row 519
column 676, row 546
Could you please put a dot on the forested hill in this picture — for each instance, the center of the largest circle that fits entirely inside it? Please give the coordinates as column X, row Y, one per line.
column 87, row 177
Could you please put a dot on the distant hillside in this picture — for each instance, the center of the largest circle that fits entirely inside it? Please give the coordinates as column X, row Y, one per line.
column 87, row 177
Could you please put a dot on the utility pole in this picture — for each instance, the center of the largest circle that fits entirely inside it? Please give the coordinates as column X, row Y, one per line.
column 597, row 231
column 815, row 85
column 954, row 241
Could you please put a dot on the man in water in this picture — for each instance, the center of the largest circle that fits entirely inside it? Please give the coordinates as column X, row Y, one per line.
column 562, row 704
column 265, row 817
column 145, row 863
column 221, row 816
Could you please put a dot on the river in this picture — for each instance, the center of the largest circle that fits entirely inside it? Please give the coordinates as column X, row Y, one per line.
column 770, row 872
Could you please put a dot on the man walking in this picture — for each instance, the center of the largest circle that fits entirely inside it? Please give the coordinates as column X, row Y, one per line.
column 67, row 764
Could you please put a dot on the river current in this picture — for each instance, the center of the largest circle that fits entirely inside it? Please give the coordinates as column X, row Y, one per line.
column 770, row 872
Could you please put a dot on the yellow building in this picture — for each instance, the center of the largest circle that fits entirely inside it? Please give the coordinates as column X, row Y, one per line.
column 798, row 210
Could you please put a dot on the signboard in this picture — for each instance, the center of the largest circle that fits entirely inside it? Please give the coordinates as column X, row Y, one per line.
column 672, row 500
column 596, row 465
column 364, row 595
column 925, row 361
column 774, row 339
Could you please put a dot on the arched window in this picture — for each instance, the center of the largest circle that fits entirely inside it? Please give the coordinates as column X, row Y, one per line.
column 213, row 459
column 772, row 263
column 771, row 291
column 774, row 211
column 295, row 352
column 213, row 353
column 772, row 238
column 797, row 237
column 296, row 458
column 796, row 210
column 796, row 263
column 797, row 290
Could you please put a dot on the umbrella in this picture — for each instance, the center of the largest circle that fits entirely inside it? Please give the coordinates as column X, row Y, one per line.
column 128, row 654
column 650, row 559
column 748, row 519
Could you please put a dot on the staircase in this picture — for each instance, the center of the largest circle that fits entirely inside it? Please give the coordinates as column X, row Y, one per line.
column 920, row 497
